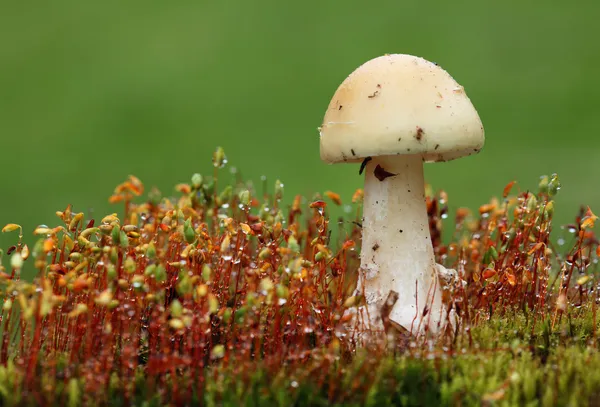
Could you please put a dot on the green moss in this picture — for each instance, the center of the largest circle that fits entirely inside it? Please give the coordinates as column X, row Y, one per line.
column 221, row 297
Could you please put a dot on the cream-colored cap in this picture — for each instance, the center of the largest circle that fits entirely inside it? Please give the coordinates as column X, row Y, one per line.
column 400, row 104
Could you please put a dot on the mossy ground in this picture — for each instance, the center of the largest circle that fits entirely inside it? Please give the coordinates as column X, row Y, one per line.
column 221, row 296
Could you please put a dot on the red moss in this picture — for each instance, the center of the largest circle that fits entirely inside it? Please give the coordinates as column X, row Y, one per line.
column 216, row 279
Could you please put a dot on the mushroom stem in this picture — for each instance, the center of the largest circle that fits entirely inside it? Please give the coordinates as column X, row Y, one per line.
column 397, row 253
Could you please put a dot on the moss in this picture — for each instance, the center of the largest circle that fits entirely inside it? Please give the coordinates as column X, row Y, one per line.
column 219, row 296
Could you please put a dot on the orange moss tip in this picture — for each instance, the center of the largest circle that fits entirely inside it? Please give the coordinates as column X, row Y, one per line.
column 334, row 197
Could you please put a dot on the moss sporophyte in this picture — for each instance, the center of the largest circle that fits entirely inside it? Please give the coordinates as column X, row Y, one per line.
column 212, row 297
column 220, row 295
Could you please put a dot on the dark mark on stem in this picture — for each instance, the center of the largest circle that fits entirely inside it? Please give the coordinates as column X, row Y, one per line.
column 375, row 247
column 390, row 327
column 382, row 174
column 363, row 165
column 352, row 151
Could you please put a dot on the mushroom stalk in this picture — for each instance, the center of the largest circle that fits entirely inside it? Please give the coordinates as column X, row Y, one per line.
column 397, row 253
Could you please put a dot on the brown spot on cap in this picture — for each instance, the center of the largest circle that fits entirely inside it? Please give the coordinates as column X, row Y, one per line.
column 420, row 133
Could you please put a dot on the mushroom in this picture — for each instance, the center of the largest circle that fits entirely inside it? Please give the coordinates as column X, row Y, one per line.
column 394, row 113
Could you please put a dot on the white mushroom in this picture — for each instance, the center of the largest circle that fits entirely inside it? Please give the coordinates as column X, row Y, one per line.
column 394, row 113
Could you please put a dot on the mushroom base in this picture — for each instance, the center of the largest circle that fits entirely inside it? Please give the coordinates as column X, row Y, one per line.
column 397, row 253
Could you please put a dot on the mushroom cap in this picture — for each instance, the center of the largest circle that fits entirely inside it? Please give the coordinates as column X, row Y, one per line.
column 400, row 104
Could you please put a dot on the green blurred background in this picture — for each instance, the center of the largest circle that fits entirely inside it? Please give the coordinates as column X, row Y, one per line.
column 91, row 92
